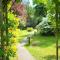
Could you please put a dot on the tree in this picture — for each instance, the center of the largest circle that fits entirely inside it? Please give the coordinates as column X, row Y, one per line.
column 40, row 1
column 4, row 29
column 1, row 30
column 41, row 10
column 57, row 24
column 18, row 1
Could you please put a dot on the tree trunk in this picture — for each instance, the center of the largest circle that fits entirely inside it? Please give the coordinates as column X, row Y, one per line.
column 2, row 31
column 57, row 33
column 6, row 25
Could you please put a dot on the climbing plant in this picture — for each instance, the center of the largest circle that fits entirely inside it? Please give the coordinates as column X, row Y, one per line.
column 8, row 24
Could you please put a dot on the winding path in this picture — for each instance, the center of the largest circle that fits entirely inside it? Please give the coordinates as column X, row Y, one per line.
column 23, row 53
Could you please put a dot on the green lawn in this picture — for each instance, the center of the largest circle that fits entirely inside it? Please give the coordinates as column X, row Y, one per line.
column 44, row 47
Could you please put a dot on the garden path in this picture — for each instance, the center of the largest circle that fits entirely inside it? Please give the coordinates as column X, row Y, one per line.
column 23, row 53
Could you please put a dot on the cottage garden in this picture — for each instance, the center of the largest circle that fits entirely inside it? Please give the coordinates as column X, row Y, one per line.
column 29, row 28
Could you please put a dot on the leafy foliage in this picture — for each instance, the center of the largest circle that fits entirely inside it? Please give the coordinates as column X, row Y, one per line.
column 18, row 1
column 22, row 25
column 31, row 23
column 13, row 21
column 1, row 52
column 29, row 29
column 19, row 9
column 41, row 10
column 45, row 28
column 40, row 1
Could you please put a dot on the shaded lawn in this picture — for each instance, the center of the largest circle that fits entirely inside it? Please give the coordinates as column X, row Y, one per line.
column 43, row 41
column 45, row 48
column 42, row 53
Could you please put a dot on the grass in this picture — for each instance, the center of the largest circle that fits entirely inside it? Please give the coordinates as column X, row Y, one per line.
column 42, row 53
column 13, row 58
column 43, row 41
column 44, row 47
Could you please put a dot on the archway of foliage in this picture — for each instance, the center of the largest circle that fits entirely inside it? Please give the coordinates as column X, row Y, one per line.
column 8, row 28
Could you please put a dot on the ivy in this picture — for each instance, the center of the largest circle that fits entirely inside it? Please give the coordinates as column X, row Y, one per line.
column 1, row 52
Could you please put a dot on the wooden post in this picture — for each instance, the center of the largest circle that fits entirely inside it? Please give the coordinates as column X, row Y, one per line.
column 29, row 40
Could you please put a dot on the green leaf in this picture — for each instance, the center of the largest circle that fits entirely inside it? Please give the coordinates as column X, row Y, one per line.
column 18, row 1
column 1, row 52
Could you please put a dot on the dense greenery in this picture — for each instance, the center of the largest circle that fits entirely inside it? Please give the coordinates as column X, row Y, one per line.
column 45, row 28
column 8, row 23
column 41, row 10
column 18, row 20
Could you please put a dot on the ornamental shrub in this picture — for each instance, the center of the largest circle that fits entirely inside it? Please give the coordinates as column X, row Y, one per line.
column 45, row 28
column 29, row 29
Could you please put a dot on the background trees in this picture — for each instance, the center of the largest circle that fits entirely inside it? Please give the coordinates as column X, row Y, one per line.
column 41, row 10
column 47, row 10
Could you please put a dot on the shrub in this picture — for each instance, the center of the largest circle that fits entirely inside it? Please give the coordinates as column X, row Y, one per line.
column 12, row 50
column 47, row 31
column 13, row 33
column 29, row 29
column 1, row 52
column 31, row 23
column 13, row 21
column 22, row 25
column 44, row 28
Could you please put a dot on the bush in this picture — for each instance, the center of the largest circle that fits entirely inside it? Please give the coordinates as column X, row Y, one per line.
column 44, row 28
column 47, row 31
column 13, row 31
column 29, row 29
column 13, row 21
column 12, row 50
column 1, row 52
column 31, row 23
column 22, row 25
